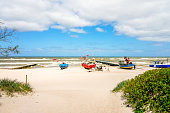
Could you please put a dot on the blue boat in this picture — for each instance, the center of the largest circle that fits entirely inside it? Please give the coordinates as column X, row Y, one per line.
column 63, row 66
column 159, row 64
column 124, row 65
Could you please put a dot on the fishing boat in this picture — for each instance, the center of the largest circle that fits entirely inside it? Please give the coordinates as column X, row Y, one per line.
column 159, row 64
column 63, row 66
column 88, row 65
column 124, row 65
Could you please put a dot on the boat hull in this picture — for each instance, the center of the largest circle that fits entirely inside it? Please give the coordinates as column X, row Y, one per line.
column 88, row 66
column 160, row 66
column 63, row 66
column 129, row 66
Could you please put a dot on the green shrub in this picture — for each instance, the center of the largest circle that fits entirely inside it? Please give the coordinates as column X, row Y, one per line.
column 149, row 91
column 13, row 86
column 119, row 86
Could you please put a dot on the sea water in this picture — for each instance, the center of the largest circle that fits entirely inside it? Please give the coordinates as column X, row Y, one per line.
column 47, row 61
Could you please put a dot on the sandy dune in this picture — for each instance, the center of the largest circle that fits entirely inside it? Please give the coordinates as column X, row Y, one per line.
column 73, row 90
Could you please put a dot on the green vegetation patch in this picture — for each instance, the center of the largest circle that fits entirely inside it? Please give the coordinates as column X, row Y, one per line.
column 149, row 91
column 10, row 87
column 119, row 86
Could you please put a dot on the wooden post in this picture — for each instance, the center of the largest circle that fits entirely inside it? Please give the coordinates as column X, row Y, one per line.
column 26, row 79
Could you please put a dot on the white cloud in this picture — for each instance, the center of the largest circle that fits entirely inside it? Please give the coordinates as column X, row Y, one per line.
column 58, row 27
column 145, row 19
column 74, row 36
column 159, row 44
column 157, row 39
column 99, row 29
column 39, row 49
column 77, row 30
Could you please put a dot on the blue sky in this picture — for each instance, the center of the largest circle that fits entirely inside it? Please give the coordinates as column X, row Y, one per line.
column 54, row 42
column 97, row 28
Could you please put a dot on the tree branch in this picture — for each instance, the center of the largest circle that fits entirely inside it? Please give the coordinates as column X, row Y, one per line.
column 5, row 36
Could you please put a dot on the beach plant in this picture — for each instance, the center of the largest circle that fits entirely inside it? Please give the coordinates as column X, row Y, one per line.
column 149, row 92
column 10, row 87
column 119, row 86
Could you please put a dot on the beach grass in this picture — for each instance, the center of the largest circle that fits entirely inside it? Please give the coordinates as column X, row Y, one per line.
column 10, row 87
column 119, row 86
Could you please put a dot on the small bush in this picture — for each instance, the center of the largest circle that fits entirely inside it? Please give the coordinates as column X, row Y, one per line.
column 119, row 86
column 149, row 91
column 13, row 86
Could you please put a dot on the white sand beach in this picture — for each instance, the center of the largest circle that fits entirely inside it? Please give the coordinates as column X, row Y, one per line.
column 73, row 90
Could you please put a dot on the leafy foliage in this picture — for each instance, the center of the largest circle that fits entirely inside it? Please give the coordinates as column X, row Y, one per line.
column 119, row 86
column 149, row 91
column 13, row 86
column 6, row 36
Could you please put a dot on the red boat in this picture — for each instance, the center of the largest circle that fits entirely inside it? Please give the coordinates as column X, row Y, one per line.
column 88, row 66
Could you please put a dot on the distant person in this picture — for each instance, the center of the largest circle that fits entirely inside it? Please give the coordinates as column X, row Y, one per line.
column 134, row 66
column 127, row 60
